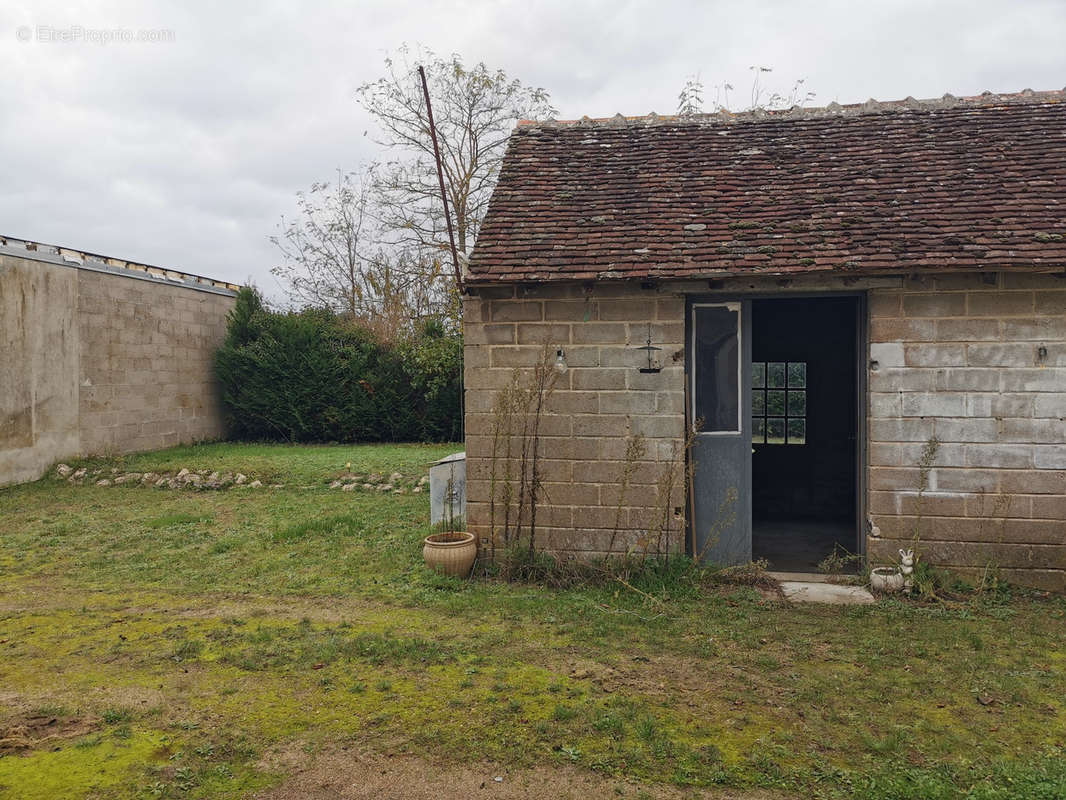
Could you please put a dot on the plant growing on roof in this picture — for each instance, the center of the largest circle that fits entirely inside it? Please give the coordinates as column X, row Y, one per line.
column 690, row 101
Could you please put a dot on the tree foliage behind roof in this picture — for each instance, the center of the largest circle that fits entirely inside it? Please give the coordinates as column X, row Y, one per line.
column 475, row 109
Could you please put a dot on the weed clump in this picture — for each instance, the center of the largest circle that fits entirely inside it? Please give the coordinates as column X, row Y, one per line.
column 752, row 574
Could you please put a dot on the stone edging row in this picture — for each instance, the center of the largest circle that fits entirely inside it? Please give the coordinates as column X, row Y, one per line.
column 396, row 483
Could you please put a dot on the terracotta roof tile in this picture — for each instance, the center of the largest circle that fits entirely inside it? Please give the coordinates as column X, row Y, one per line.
column 974, row 183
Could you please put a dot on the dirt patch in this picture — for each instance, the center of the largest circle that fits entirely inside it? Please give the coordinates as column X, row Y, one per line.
column 33, row 732
column 355, row 775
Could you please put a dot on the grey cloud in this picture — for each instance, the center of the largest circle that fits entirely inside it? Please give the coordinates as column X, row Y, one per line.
column 187, row 153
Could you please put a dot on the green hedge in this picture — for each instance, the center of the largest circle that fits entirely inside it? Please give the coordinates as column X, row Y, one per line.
column 312, row 376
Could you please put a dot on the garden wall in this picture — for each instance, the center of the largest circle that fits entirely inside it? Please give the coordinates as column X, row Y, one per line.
column 98, row 356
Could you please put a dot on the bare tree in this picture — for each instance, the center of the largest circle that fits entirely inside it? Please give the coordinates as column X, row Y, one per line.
column 335, row 256
column 475, row 109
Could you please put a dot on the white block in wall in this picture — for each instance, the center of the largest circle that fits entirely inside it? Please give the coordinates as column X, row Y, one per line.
column 887, row 354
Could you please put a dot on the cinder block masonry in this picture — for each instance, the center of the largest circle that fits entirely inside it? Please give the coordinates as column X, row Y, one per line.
column 980, row 365
column 599, row 403
column 979, row 362
column 99, row 356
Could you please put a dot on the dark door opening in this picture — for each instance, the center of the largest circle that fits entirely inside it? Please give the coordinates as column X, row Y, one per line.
column 804, row 422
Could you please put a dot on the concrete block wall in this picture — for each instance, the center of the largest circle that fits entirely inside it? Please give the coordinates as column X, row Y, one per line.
column 39, row 353
column 96, row 362
column 146, row 369
column 979, row 362
column 601, row 401
column 958, row 357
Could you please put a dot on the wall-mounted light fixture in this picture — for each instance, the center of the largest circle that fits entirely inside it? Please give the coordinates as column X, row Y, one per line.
column 652, row 353
column 1041, row 356
column 560, row 361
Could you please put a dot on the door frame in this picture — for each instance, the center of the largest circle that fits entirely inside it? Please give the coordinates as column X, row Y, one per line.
column 862, row 361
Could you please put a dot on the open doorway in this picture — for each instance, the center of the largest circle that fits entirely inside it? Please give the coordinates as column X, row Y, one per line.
column 805, row 425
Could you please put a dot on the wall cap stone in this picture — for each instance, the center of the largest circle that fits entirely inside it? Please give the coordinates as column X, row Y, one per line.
column 77, row 259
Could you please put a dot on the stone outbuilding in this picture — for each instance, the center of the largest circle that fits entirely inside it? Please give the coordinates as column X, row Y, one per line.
column 858, row 313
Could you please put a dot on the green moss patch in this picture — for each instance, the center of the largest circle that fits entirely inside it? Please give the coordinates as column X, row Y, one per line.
column 197, row 632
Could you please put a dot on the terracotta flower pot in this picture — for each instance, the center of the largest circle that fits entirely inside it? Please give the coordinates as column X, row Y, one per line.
column 452, row 553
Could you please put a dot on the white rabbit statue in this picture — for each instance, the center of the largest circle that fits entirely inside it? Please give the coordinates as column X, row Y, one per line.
column 906, row 566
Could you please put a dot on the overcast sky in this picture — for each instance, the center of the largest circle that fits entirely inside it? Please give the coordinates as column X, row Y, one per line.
column 185, row 153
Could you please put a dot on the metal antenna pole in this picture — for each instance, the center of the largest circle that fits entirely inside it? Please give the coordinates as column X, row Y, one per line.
column 451, row 237
column 440, row 178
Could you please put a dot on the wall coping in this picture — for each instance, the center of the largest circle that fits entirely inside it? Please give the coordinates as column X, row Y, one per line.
column 77, row 259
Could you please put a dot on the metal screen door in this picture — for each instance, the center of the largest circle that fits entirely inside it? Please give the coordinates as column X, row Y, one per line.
column 720, row 397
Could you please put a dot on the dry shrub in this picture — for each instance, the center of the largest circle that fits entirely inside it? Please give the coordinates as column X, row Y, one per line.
column 753, row 574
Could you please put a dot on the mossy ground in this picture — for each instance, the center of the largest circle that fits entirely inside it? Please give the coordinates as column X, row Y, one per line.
column 189, row 633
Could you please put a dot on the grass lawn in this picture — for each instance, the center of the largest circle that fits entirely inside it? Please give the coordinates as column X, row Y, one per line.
column 179, row 643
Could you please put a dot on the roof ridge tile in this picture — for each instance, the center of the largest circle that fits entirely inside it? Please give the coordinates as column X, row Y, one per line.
column 870, row 106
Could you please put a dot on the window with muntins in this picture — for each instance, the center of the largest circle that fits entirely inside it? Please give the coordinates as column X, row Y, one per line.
column 779, row 402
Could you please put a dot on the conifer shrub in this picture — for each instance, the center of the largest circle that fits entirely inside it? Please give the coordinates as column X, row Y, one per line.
column 315, row 376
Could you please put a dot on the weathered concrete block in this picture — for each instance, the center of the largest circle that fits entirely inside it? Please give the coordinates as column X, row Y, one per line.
column 599, row 379
column 518, row 356
column 554, row 335
column 627, row 402
column 1001, row 355
column 1025, row 481
column 600, row 333
column 657, row 427
column 999, row 303
column 1032, row 431
column 966, row 430
column 906, row 380
column 1034, row 380
column 1051, row 302
column 887, row 354
column 670, row 308
column 994, row 454
column 1049, row 457
column 601, row 425
column 635, row 309
column 935, row 355
column 884, row 304
column 967, row 330
column 901, row 430
column 1047, row 404
column 934, row 304
column 886, row 405
column 516, row 311
column 903, row 330
column 934, row 404
column 1016, row 405
column 967, row 379
column 571, row 310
